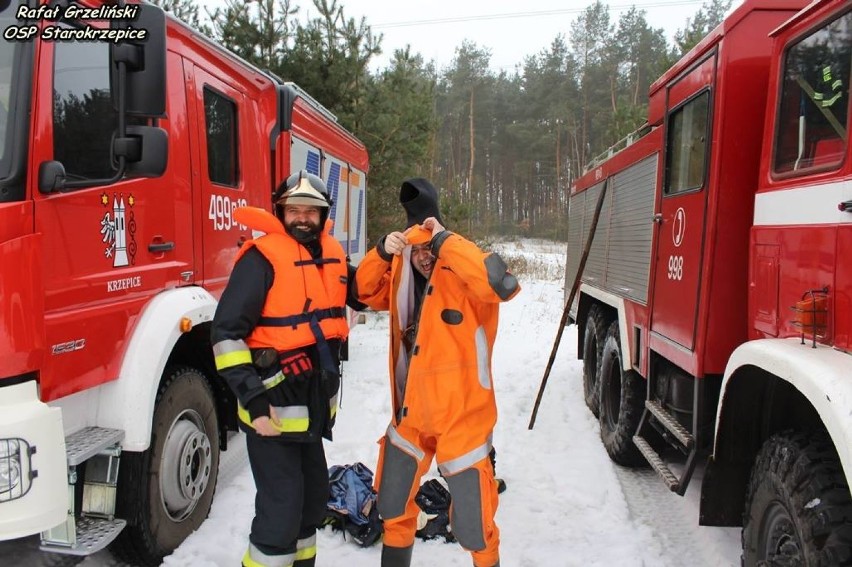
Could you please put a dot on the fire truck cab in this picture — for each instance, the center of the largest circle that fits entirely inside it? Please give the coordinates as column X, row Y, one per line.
column 714, row 310
column 121, row 164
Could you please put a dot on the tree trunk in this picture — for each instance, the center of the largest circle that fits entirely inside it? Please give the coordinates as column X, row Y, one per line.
column 558, row 157
column 613, row 94
column 636, row 87
column 470, row 167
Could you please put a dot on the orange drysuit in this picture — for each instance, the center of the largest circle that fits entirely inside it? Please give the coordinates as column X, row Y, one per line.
column 443, row 395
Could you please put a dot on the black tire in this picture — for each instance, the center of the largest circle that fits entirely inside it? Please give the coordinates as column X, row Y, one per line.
column 798, row 507
column 593, row 342
column 165, row 493
column 621, row 403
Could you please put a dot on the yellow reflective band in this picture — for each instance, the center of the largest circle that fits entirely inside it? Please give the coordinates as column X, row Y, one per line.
column 256, row 558
column 235, row 358
column 297, row 424
column 292, row 425
column 249, row 562
column 306, row 548
column 292, row 419
column 832, row 100
column 332, row 404
column 273, row 381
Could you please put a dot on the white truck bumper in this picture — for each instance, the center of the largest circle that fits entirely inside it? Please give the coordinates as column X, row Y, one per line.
column 33, row 469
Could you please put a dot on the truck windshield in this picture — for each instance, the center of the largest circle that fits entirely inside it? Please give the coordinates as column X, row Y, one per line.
column 11, row 77
column 812, row 129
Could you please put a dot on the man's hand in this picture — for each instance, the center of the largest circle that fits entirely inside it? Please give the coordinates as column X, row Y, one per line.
column 433, row 225
column 265, row 425
column 395, row 242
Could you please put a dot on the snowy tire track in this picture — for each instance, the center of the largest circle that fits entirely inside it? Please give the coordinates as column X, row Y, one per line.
column 673, row 520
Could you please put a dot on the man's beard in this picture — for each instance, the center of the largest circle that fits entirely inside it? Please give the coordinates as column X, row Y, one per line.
column 298, row 231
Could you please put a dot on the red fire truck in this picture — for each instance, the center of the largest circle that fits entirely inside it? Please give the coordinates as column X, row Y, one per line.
column 715, row 310
column 122, row 160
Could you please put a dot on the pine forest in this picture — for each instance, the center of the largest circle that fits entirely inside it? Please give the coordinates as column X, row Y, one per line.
column 502, row 146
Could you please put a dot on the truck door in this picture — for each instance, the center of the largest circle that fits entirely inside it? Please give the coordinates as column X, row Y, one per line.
column 683, row 203
column 222, row 122
column 107, row 248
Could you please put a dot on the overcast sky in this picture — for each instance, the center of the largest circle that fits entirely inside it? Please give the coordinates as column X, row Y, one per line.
column 511, row 29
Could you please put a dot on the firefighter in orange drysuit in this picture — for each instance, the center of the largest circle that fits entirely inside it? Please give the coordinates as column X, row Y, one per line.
column 443, row 294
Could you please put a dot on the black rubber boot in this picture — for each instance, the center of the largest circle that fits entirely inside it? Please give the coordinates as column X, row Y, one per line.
column 310, row 562
column 396, row 556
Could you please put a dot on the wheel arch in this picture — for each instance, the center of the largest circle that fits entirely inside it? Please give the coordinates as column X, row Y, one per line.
column 769, row 386
column 194, row 349
column 614, row 307
column 156, row 342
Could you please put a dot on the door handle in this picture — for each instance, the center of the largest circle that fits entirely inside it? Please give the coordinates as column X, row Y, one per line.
column 845, row 206
column 658, row 218
column 161, row 246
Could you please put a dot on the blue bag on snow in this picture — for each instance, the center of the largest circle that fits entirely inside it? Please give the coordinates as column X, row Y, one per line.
column 352, row 503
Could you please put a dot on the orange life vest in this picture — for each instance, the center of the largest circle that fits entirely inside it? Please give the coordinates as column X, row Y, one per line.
column 300, row 289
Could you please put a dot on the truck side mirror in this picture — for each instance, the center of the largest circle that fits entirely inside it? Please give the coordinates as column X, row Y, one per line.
column 146, row 151
column 145, row 61
column 51, row 176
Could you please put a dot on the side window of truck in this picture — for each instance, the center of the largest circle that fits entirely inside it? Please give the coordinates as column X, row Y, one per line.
column 84, row 118
column 220, row 115
column 686, row 147
column 812, row 130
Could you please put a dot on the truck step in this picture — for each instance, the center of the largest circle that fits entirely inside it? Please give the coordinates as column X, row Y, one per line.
column 671, row 424
column 88, row 442
column 657, row 463
column 93, row 535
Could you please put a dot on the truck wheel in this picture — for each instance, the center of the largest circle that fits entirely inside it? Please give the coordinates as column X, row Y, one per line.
column 622, row 401
column 593, row 342
column 798, row 504
column 165, row 493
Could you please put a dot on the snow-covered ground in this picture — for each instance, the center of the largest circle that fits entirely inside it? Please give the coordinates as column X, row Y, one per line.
column 566, row 503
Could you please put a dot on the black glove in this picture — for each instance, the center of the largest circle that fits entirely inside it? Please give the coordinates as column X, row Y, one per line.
column 380, row 248
column 433, row 498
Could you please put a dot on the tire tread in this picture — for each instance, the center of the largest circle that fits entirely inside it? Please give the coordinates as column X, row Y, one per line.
column 596, row 326
column 806, row 469
column 619, row 442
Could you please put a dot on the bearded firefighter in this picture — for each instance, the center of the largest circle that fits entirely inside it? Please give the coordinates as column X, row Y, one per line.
column 276, row 338
column 443, row 295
